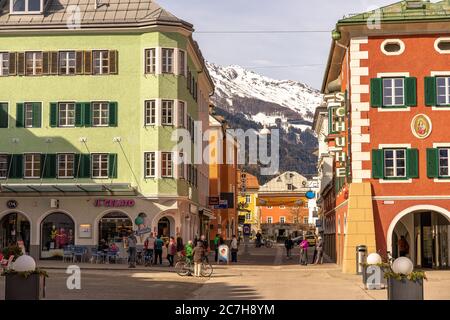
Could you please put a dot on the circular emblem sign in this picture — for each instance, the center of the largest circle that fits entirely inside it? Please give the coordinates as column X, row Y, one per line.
column 310, row 195
column 421, row 126
column 12, row 204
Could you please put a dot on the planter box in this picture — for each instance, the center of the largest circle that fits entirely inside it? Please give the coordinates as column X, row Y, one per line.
column 20, row 288
column 380, row 286
column 405, row 289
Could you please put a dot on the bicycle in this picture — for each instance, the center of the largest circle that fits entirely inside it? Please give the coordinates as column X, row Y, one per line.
column 267, row 243
column 186, row 267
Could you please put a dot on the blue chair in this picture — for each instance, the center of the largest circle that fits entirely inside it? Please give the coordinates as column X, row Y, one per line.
column 96, row 255
column 111, row 255
column 68, row 253
column 79, row 252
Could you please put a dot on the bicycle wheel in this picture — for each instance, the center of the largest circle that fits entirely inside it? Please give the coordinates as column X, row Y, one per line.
column 182, row 268
column 207, row 270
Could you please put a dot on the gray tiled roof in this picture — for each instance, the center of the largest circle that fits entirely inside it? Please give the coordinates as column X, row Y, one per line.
column 110, row 12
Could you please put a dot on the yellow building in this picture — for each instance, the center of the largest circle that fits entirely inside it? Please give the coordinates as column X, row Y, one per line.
column 248, row 194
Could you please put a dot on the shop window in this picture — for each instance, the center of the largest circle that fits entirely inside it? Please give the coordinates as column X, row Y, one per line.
column 15, row 230
column 57, row 232
column 114, row 228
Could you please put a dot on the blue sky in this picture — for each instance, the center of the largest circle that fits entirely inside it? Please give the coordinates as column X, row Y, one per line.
column 298, row 56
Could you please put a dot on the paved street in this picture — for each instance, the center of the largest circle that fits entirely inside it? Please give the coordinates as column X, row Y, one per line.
column 265, row 274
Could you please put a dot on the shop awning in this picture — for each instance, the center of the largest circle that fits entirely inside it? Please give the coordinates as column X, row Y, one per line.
column 209, row 214
column 66, row 188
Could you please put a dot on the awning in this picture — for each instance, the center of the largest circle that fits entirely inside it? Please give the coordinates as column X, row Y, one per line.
column 208, row 213
column 66, row 188
column 280, row 201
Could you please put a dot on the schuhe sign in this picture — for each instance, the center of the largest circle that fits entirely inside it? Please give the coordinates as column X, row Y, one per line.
column 111, row 203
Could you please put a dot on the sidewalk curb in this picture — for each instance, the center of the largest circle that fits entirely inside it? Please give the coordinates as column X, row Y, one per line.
column 107, row 268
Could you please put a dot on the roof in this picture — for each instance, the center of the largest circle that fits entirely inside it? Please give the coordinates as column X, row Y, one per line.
column 281, row 182
column 403, row 11
column 118, row 13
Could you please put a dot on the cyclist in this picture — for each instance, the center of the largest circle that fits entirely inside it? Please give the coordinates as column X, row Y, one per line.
column 188, row 251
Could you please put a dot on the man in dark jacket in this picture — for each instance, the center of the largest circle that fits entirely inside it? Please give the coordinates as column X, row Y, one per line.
column 199, row 254
column 289, row 244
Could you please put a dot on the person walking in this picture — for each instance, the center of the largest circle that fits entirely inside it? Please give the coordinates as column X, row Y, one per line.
column 319, row 248
column 258, row 239
column 132, row 242
column 180, row 245
column 304, row 252
column 171, row 251
column 158, row 249
column 234, row 249
column 188, row 251
column 149, row 246
column 205, row 244
column 289, row 244
column 199, row 255
column 216, row 247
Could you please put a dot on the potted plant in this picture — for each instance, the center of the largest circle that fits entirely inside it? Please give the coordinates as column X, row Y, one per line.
column 403, row 282
column 373, row 272
column 15, row 251
column 24, row 281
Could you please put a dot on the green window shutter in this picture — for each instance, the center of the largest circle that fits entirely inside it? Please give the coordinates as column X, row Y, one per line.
column 112, row 166
column 50, row 166
column 76, row 165
column 4, row 116
column 411, row 92
column 85, row 166
column 378, row 164
column 19, row 115
column 412, row 165
column 430, row 91
column 16, row 167
column 53, row 114
column 87, row 114
column 376, row 92
column 433, row 163
column 79, row 115
column 113, row 114
column 37, row 113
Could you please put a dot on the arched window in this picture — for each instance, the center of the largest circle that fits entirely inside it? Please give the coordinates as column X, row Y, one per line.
column 113, row 227
column 57, row 231
column 393, row 47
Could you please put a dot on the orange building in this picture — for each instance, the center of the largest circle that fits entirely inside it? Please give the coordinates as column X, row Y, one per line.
column 283, row 207
column 223, row 177
column 387, row 88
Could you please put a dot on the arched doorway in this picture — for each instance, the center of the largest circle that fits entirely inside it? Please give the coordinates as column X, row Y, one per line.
column 166, row 227
column 114, row 227
column 423, row 236
column 15, row 230
column 57, row 231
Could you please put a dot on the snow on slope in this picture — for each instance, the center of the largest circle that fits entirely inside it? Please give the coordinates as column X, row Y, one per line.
column 235, row 81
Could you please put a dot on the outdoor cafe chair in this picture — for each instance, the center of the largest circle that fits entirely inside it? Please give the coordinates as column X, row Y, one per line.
column 68, row 253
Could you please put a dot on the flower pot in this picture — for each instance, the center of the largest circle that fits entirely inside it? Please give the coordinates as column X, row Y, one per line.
column 18, row 287
column 378, row 284
column 405, row 289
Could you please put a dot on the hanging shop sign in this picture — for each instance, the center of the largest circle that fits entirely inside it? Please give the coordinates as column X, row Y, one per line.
column 338, row 126
column 110, row 203
column 214, row 201
column 421, row 126
column 12, row 204
column 310, row 195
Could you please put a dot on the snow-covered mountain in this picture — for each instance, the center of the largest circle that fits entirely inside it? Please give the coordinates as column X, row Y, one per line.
column 263, row 99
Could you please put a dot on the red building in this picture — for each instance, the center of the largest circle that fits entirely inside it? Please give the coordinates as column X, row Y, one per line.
column 387, row 88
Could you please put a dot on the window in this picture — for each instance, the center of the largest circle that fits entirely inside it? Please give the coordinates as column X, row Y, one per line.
column 282, row 207
column 443, row 91
column 393, row 47
column 67, row 62
column 4, row 63
column 32, row 165
column 290, row 187
column 306, row 220
column 150, row 164
column 393, row 92
column 444, row 166
column 26, row 6
column 4, row 115
column 395, row 163
column 101, row 62
column 167, row 165
column 282, row 220
column 167, row 60
column 150, row 112
column 28, row 111
column 181, row 113
column 248, row 216
column 66, row 165
column 269, row 220
column 150, row 60
column 100, row 114
column 248, row 199
column 181, row 165
column 296, row 220
column 270, row 207
column 33, row 62
column 167, row 112
column 100, row 166
column 66, row 115
column 182, row 62
column 4, row 166
column 442, row 45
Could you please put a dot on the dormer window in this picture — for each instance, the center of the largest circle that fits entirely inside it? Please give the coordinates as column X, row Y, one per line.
column 26, row 6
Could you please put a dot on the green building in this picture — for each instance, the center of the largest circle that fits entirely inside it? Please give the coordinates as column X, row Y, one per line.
column 90, row 95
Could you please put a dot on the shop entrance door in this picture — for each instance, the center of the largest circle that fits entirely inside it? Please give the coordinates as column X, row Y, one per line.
column 14, row 230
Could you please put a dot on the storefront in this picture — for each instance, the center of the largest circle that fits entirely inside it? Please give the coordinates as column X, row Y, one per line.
column 14, row 229
column 114, row 227
column 57, row 232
